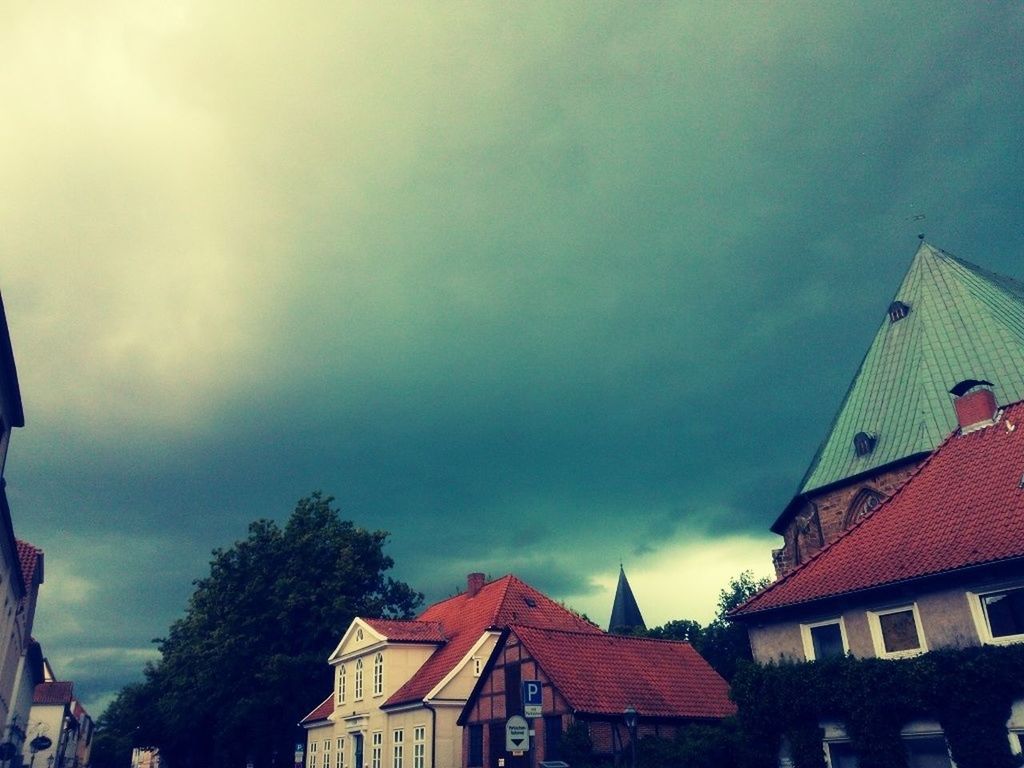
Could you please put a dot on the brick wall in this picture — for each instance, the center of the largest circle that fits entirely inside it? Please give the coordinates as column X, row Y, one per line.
column 821, row 517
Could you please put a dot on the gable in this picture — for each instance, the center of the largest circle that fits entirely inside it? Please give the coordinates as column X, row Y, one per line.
column 359, row 637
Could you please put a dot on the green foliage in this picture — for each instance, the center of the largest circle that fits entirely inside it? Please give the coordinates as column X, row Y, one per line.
column 576, row 747
column 722, row 643
column 969, row 692
column 247, row 659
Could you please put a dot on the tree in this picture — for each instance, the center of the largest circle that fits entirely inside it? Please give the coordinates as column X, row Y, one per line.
column 722, row 643
column 247, row 659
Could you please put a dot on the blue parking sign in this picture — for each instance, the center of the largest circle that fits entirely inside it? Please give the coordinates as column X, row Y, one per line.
column 532, row 699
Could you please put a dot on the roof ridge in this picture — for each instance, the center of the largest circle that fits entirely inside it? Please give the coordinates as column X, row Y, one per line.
column 604, row 635
column 500, row 602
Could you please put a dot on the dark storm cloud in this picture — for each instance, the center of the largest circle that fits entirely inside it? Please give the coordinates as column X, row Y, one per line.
column 535, row 290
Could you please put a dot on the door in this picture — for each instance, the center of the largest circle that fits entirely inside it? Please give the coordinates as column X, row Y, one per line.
column 357, row 750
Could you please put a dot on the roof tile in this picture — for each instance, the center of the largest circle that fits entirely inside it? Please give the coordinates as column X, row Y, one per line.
column 963, row 507
column 603, row 674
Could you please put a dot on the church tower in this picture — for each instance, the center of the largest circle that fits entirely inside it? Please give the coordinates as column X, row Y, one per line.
column 626, row 616
column 950, row 322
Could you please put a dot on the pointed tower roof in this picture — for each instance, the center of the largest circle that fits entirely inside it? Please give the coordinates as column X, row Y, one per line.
column 625, row 612
column 949, row 321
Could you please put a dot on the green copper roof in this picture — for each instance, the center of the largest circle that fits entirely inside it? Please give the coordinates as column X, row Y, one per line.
column 964, row 323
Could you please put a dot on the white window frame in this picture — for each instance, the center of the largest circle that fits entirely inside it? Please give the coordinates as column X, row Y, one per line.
column 879, row 642
column 925, row 729
column 419, row 746
column 397, row 748
column 975, row 598
column 339, row 759
column 378, row 674
column 805, row 634
column 341, row 684
column 376, row 749
column 311, row 754
column 357, row 694
column 478, row 666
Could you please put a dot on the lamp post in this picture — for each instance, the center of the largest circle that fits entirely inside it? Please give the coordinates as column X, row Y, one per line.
column 629, row 714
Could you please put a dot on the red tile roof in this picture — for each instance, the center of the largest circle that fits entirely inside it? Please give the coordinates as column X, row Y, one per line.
column 397, row 631
column 604, row 674
column 322, row 712
column 464, row 618
column 963, row 507
column 53, row 693
column 28, row 557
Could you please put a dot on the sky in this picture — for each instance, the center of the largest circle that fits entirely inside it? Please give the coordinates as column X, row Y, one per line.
column 538, row 287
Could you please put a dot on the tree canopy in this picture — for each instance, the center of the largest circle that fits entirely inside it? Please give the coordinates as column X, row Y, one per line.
column 247, row 659
column 722, row 642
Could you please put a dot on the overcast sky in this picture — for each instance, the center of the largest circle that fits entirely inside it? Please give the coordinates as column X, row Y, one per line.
column 537, row 287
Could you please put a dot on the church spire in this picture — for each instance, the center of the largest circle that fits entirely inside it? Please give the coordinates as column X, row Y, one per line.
column 625, row 612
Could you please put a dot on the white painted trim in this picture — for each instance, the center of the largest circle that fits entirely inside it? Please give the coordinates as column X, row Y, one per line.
column 876, row 632
column 357, row 622
column 462, row 663
column 805, row 635
column 981, row 623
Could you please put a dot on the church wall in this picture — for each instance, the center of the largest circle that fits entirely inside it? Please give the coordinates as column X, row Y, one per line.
column 823, row 516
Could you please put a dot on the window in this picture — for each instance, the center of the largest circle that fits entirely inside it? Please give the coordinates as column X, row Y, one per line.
column 864, row 443
column 341, row 684
column 359, row 680
column 378, row 674
column 376, row 748
column 327, row 753
column 841, row 754
column 513, row 690
column 311, row 756
column 552, row 737
column 897, row 311
column 1001, row 615
column 359, row 634
column 419, row 746
column 897, row 632
column 824, row 639
column 926, row 751
column 476, row 746
column 339, row 755
column 478, row 666
column 398, row 748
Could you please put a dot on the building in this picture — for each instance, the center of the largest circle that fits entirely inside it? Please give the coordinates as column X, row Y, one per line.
column 626, row 617
column 22, row 651
column 949, row 321
column 12, row 586
column 400, row 685
column 53, row 729
column 590, row 680
column 938, row 565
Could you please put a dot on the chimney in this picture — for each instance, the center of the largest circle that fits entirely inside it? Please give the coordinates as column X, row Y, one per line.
column 975, row 405
column 474, row 582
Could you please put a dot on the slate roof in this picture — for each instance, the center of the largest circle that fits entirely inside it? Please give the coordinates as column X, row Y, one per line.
column 964, row 507
column 964, row 322
column 497, row 605
column 625, row 611
column 322, row 712
column 53, row 693
column 398, row 631
column 602, row 674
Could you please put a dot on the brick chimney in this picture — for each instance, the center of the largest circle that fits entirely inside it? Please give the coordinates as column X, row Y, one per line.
column 474, row 582
column 976, row 407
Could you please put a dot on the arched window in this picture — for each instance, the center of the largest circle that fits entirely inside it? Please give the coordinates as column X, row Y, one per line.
column 341, row 684
column 865, row 500
column 359, row 680
column 378, row 674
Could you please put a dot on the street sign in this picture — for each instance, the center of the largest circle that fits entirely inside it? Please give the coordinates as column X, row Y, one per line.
column 517, row 734
column 532, row 700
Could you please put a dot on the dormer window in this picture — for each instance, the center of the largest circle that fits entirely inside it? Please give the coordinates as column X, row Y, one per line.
column 897, row 311
column 864, row 443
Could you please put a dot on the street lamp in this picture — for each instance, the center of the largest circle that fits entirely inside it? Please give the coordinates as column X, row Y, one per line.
column 629, row 713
